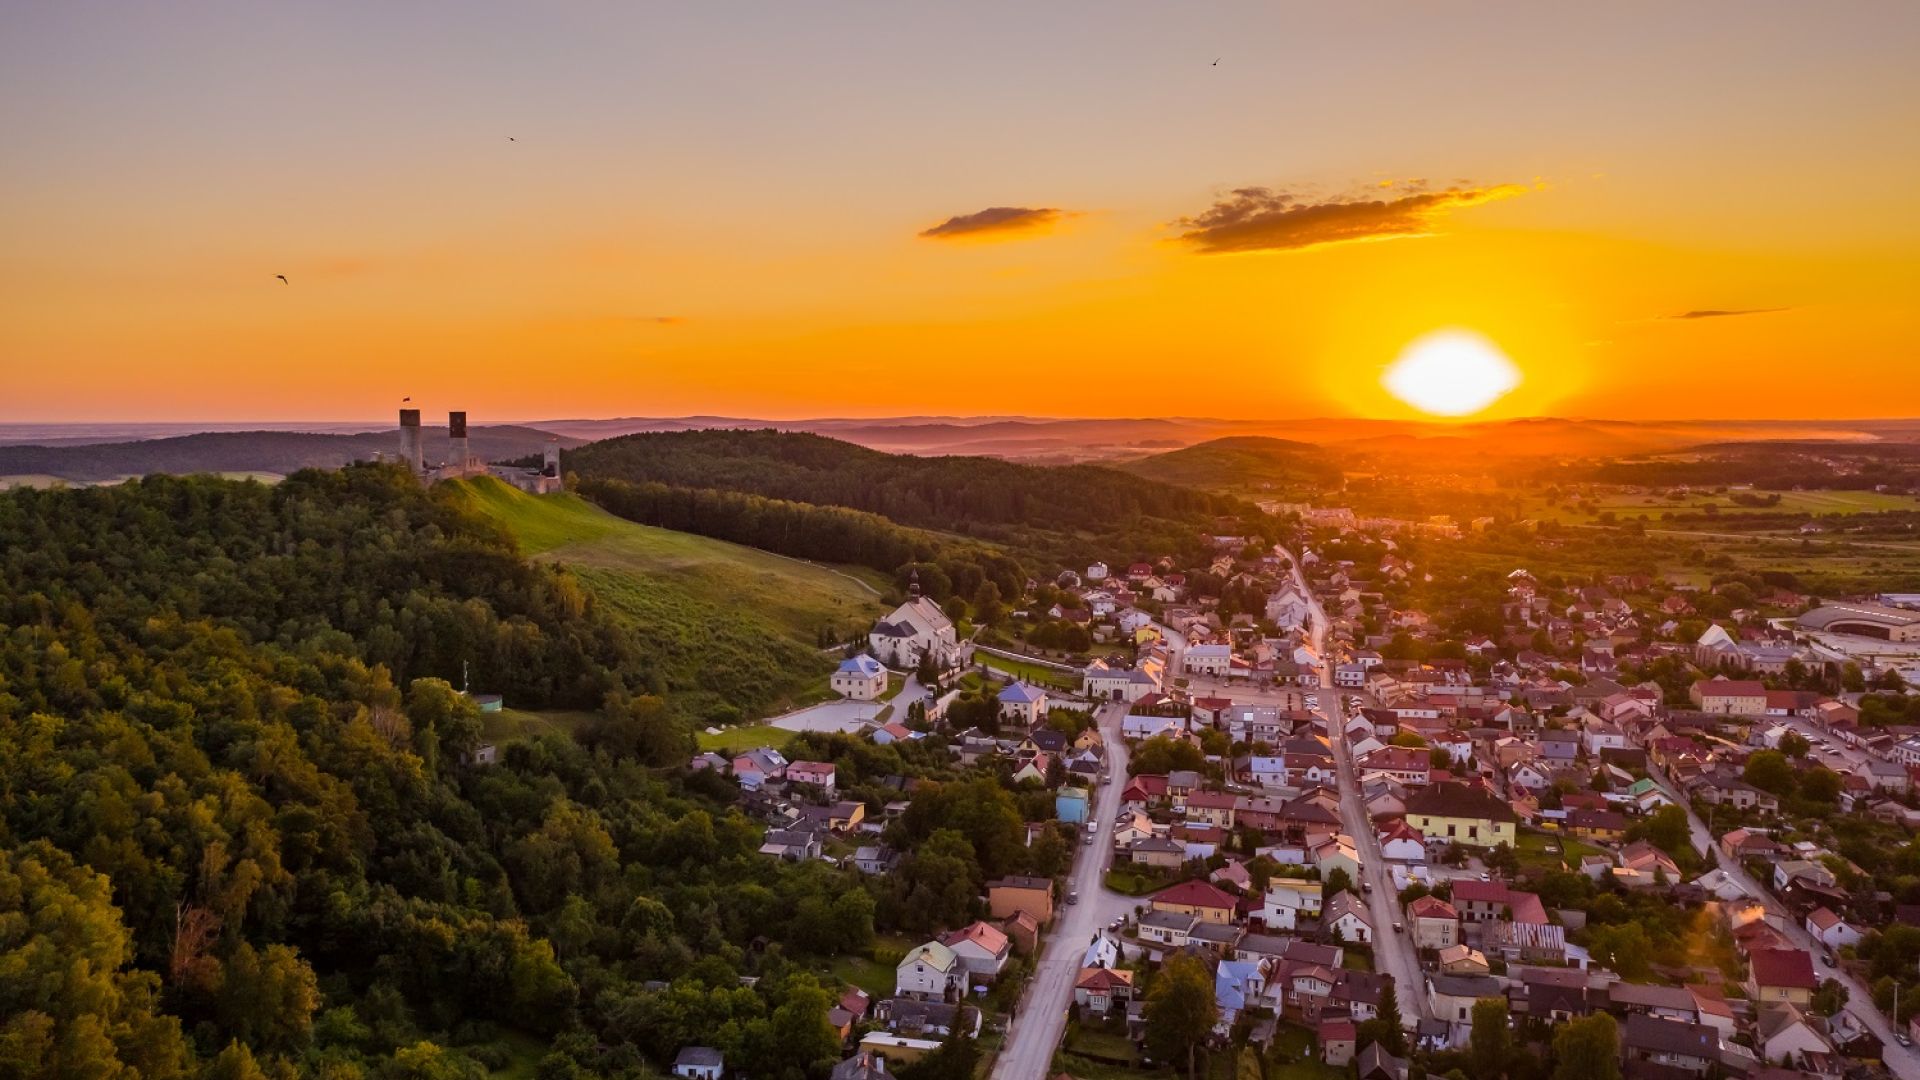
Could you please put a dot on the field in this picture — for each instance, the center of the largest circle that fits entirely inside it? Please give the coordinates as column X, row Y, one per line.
column 1626, row 504
column 735, row 631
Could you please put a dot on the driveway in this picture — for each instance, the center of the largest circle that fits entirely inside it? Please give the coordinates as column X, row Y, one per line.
column 1041, row 1019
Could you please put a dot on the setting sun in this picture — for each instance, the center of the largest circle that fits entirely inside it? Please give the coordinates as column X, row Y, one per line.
column 1451, row 373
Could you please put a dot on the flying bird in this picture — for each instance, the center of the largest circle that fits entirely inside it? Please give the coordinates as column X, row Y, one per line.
column 1216, row 61
column 283, row 279
column 404, row 400
column 512, row 139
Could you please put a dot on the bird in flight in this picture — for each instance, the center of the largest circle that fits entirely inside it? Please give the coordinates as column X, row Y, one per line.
column 1216, row 61
column 283, row 279
column 405, row 399
column 512, row 139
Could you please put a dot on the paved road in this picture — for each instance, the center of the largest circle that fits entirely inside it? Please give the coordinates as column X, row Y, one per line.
column 1393, row 954
column 1041, row 1021
column 1902, row 1060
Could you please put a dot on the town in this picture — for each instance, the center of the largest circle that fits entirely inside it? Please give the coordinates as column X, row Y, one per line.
column 1631, row 827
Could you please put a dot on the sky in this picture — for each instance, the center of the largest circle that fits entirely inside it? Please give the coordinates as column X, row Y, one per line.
column 786, row 210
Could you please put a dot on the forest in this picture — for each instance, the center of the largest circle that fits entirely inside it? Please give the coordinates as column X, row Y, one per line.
column 243, row 833
column 1065, row 515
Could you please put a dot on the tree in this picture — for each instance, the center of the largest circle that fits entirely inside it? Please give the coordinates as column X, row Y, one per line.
column 1820, row 785
column 1492, row 1039
column 1830, row 998
column 1624, row 949
column 1587, row 1048
column 1793, row 744
column 1181, row 1010
column 1768, row 770
column 1337, row 882
column 986, row 604
column 956, row 1059
column 1385, row 1028
column 1666, row 828
column 1249, row 1067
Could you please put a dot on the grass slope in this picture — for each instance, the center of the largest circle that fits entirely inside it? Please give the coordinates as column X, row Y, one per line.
column 732, row 624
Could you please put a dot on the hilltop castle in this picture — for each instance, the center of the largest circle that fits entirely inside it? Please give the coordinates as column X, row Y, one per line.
column 460, row 461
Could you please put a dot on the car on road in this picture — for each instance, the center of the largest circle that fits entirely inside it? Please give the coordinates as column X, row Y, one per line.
column 1073, row 896
column 1090, row 839
column 1827, row 959
column 1399, row 928
column 1901, row 1038
column 1367, row 887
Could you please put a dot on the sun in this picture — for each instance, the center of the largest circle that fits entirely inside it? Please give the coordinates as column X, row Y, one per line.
column 1451, row 373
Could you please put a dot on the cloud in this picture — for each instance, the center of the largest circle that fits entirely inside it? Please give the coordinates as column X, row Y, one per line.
column 1722, row 313
column 996, row 221
column 1262, row 219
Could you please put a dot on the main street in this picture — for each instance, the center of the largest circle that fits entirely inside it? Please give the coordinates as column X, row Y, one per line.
column 1393, row 953
column 1902, row 1060
column 1041, row 1021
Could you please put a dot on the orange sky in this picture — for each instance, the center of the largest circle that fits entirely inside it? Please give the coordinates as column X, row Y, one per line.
column 721, row 208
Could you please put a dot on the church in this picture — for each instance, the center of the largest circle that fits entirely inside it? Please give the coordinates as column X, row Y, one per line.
column 914, row 629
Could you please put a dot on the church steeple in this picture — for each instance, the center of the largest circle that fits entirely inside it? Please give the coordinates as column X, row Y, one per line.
column 913, row 585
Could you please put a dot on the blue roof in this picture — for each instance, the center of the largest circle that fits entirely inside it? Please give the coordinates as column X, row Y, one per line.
column 1020, row 694
column 861, row 665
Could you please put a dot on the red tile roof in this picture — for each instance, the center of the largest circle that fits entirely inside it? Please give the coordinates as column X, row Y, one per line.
column 1783, row 967
column 1195, row 894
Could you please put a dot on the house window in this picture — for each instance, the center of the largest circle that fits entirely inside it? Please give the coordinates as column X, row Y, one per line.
column 1473, row 832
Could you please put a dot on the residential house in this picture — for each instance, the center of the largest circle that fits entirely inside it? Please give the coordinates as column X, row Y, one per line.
column 819, row 774
column 1784, row 1033
column 1170, row 928
column 1780, row 975
column 1022, row 703
column 982, row 949
column 1467, row 814
column 1345, row 918
column 1692, row 1048
column 1029, row 894
column 1336, row 1038
column 930, row 972
column 699, row 1063
column 761, row 765
column 914, row 629
column 1433, row 923
column 1288, row 900
column 1237, row 984
column 1830, row 929
column 1204, row 901
column 875, row 859
column 860, row 678
column 1100, row 989
column 1452, row 997
column 1730, row 697
column 1162, row 852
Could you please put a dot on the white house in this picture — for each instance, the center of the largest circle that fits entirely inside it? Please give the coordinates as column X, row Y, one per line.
column 1097, row 572
column 1287, row 609
column 1287, row 900
column 1209, row 659
column 699, row 1063
column 1347, row 914
column 930, row 972
column 1830, row 929
column 1265, row 771
column 859, row 679
column 1023, row 704
column 1401, row 842
column 1118, row 684
column 1138, row 726
column 914, row 629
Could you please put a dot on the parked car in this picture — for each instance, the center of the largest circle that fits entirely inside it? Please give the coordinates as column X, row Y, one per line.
column 1399, row 929
column 1366, row 887
column 1073, row 896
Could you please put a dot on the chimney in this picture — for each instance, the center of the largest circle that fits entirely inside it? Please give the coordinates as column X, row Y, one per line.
column 410, row 439
column 457, row 439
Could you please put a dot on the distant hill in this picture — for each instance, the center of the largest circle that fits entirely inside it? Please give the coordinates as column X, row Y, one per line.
column 273, row 452
column 1243, row 463
column 1065, row 512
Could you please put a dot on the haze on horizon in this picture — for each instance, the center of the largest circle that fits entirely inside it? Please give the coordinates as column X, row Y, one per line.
column 788, row 211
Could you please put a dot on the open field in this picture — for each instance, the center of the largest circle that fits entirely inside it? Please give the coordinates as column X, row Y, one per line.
column 1626, row 504
column 740, row 624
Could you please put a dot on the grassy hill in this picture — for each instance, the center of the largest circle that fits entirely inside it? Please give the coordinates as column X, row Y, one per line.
column 737, row 623
column 1243, row 464
column 275, row 453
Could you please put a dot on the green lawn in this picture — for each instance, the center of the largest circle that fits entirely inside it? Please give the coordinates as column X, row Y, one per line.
column 1531, row 848
column 1033, row 673
column 745, row 737
column 514, row 725
column 1628, row 504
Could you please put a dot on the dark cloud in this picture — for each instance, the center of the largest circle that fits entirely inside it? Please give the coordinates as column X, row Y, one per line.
column 1722, row 313
column 1262, row 219
column 995, row 220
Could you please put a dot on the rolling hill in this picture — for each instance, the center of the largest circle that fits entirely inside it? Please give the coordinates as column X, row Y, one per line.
column 276, row 453
column 1244, row 464
column 729, row 620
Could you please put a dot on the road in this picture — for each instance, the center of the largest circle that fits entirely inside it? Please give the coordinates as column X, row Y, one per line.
column 1901, row 1060
column 1393, row 954
column 1041, row 1021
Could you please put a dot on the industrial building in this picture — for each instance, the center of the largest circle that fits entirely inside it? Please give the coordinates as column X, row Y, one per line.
column 1864, row 620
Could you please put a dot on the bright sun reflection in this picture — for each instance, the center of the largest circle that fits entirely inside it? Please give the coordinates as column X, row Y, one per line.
column 1451, row 373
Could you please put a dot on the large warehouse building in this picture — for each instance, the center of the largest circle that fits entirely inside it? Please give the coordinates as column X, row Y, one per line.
column 1864, row 620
